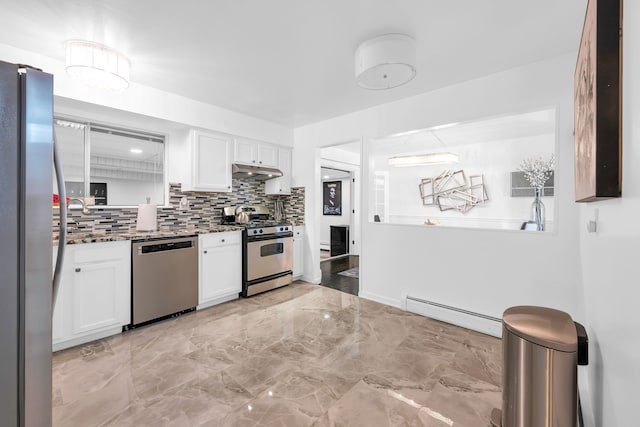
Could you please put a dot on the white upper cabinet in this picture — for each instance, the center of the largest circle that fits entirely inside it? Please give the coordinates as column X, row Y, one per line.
column 210, row 163
column 267, row 155
column 244, row 151
column 281, row 185
column 256, row 153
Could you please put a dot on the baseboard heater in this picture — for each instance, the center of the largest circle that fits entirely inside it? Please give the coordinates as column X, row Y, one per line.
column 456, row 316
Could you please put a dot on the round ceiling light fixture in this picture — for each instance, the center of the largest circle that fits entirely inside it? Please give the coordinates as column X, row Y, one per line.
column 97, row 65
column 385, row 62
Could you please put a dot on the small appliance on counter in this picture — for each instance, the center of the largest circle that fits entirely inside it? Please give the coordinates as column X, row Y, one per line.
column 147, row 217
column 267, row 248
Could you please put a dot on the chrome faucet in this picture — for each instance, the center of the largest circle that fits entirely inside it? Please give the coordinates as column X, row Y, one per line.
column 85, row 209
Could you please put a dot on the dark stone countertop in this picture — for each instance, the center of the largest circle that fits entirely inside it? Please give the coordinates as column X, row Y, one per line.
column 95, row 237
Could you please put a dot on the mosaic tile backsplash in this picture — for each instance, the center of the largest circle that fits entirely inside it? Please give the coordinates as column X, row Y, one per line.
column 205, row 209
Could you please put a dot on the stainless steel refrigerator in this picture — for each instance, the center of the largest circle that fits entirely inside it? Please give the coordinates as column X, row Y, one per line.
column 26, row 136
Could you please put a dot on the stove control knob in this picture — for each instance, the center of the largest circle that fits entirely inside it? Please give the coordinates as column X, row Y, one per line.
column 255, row 231
column 261, row 230
column 281, row 229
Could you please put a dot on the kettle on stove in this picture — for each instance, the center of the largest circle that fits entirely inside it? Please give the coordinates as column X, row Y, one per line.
column 242, row 216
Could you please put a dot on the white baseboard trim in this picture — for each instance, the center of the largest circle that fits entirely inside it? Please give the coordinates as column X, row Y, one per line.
column 114, row 330
column 456, row 316
column 218, row 300
column 381, row 299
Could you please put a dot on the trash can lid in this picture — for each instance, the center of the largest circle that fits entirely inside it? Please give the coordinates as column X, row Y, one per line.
column 543, row 326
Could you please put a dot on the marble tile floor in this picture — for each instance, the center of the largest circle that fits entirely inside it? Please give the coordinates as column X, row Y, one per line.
column 302, row 355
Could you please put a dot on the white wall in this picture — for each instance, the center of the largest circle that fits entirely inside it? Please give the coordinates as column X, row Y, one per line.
column 501, row 268
column 344, row 219
column 610, row 263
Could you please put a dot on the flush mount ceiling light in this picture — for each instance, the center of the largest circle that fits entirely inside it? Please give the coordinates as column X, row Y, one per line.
column 385, row 62
column 423, row 159
column 97, row 65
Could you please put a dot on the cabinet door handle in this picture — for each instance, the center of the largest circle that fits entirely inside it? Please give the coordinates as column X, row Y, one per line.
column 260, row 162
column 222, row 240
column 78, row 269
column 253, row 161
column 205, row 252
column 228, row 186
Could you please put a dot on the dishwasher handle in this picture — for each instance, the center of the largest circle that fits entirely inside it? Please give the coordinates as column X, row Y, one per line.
column 161, row 247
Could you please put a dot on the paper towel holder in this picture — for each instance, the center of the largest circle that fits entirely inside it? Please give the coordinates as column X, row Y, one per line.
column 184, row 203
column 147, row 219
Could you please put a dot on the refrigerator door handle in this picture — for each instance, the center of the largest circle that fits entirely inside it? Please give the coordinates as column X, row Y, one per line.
column 62, row 239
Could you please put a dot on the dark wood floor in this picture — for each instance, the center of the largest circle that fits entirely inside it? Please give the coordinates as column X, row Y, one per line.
column 331, row 278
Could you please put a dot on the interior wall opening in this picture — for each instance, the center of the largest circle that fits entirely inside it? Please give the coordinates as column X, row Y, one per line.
column 339, row 234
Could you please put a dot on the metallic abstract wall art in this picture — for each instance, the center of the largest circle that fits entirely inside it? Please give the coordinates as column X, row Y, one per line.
column 451, row 190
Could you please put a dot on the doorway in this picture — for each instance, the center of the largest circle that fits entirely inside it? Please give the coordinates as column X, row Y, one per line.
column 339, row 243
column 336, row 221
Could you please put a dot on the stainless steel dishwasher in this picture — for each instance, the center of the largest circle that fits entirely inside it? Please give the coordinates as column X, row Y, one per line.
column 164, row 277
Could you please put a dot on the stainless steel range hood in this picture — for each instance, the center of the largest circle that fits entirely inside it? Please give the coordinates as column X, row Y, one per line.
column 261, row 173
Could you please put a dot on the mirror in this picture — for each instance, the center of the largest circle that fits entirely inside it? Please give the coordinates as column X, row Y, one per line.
column 483, row 189
column 123, row 169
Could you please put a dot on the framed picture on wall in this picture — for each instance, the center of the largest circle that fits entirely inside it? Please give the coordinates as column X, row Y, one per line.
column 332, row 198
column 597, row 104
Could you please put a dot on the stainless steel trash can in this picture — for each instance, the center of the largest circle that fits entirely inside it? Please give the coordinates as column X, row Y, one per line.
column 540, row 374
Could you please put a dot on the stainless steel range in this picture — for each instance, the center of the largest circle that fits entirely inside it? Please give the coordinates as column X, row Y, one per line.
column 267, row 248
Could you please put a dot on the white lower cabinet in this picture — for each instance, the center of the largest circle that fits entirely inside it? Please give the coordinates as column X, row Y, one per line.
column 94, row 299
column 298, row 251
column 220, row 264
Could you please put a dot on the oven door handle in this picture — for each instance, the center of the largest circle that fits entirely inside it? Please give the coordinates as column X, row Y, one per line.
column 269, row 237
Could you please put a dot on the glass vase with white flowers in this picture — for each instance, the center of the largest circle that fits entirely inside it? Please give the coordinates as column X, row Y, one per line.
column 537, row 172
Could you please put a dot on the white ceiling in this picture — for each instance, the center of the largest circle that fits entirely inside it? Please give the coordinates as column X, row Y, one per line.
column 508, row 127
column 329, row 174
column 291, row 61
